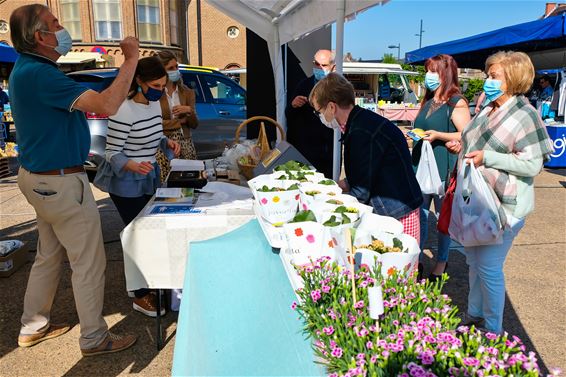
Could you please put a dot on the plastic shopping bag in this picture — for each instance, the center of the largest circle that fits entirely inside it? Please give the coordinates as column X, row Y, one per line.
column 475, row 217
column 427, row 172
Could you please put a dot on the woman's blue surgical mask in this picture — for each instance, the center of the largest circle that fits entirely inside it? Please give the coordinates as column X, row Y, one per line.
column 152, row 94
column 432, row 81
column 492, row 89
column 174, row 76
column 319, row 73
column 64, row 41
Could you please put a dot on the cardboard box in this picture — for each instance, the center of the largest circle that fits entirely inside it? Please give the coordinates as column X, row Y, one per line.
column 13, row 261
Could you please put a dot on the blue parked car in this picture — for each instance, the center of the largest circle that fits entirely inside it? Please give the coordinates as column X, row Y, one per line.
column 220, row 107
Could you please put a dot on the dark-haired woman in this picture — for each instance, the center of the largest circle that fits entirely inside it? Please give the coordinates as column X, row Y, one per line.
column 179, row 113
column 444, row 114
column 130, row 173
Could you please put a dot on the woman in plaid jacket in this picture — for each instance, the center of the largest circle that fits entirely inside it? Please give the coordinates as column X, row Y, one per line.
column 508, row 142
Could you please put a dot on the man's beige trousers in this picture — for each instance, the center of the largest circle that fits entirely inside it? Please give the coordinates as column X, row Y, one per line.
column 68, row 222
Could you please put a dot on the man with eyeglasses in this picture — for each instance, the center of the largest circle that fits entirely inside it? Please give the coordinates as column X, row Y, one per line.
column 305, row 131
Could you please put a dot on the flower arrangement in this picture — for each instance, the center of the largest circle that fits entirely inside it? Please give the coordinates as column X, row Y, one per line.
column 417, row 334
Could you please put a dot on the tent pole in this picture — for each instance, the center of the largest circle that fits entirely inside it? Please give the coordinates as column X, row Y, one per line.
column 337, row 147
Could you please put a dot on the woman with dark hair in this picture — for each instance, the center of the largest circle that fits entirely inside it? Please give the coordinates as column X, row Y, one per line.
column 130, row 173
column 444, row 114
column 179, row 113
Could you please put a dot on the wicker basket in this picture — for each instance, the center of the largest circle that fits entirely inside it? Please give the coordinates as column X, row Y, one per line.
column 247, row 170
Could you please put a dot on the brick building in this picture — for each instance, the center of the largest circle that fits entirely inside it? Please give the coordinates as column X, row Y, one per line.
column 99, row 25
column 215, row 39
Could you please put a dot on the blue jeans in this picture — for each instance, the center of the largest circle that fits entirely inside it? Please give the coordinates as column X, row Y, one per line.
column 487, row 281
column 443, row 239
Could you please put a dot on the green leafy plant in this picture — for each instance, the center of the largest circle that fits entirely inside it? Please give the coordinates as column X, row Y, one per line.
column 327, row 182
column 292, row 165
column 303, row 216
column 334, row 221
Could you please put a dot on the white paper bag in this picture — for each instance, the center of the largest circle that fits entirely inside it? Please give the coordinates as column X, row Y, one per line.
column 427, row 172
column 278, row 207
column 475, row 217
column 372, row 222
column 404, row 262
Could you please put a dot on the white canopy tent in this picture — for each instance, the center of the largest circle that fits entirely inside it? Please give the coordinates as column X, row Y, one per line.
column 282, row 21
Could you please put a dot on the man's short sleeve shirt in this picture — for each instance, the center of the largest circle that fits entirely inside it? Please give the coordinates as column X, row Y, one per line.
column 50, row 134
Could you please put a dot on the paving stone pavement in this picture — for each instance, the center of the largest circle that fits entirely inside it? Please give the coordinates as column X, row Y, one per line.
column 535, row 306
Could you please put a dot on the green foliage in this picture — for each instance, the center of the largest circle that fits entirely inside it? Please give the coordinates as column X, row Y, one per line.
column 475, row 86
column 389, row 58
column 303, row 216
column 415, row 68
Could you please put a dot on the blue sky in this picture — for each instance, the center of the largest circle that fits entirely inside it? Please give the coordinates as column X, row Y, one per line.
column 398, row 21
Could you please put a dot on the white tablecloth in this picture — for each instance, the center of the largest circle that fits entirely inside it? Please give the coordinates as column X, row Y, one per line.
column 156, row 247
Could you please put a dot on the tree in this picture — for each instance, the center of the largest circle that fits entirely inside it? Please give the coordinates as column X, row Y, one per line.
column 415, row 68
column 475, row 86
column 389, row 58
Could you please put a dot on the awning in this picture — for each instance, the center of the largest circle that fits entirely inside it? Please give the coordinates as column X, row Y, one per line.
column 8, row 54
column 350, row 68
column 75, row 57
column 282, row 21
column 544, row 40
column 375, row 68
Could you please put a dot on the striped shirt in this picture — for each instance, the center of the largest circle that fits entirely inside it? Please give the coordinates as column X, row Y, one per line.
column 135, row 131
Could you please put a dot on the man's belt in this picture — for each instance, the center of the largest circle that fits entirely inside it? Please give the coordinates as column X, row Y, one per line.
column 71, row 170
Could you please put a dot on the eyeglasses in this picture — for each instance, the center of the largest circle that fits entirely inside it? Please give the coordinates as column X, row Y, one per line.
column 319, row 111
column 322, row 65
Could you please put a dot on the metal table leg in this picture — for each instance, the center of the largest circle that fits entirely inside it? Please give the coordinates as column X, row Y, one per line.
column 158, row 320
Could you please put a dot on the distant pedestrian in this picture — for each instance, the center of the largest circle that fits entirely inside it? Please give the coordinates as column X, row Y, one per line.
column 54, row 141
column 4, row 99
column 546, row 88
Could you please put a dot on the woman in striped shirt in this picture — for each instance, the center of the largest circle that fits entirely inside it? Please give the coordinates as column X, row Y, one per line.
column 130, row 173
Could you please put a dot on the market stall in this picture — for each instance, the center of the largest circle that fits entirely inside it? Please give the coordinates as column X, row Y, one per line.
column 300, row 249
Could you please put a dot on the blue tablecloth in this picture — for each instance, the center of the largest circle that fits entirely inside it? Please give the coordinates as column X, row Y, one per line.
column 235, row 316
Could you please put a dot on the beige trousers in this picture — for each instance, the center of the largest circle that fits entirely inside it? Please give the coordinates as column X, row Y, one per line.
column 68, row 223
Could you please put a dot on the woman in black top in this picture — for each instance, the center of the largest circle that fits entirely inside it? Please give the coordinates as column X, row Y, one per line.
column 377, row 161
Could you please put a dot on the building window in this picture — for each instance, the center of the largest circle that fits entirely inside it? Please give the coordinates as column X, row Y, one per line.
column 71, row 18
column 107, row 20
column 149, row 21
column 174, row 22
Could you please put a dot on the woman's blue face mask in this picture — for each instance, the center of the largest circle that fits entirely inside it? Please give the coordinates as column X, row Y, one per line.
column 432, row 81
column 492, row 89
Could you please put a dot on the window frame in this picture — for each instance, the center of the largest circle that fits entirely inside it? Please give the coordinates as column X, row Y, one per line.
column 66, row 22
column 108, row 22
column 158, row 24
column 175, row 15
